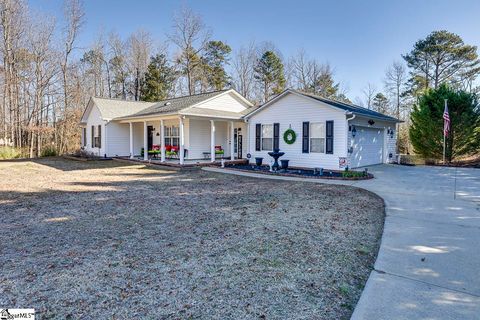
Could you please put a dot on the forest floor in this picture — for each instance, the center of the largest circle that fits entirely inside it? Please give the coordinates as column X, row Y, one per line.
column 111, row 240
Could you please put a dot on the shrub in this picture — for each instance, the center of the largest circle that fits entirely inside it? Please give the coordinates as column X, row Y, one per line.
column 84, row 154
column 353, row 174
column 49, row 152
column 426, row 131
column 9, row 153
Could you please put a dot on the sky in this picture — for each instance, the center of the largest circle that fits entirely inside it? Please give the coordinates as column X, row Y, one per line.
column 359, row 39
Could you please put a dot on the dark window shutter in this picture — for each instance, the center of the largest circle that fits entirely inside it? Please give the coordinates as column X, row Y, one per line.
column 329, row 137
column 99, row 136
column 93, row 137
column 258, row 130
column 305, row 137
column 84, row 136
column 276, row 136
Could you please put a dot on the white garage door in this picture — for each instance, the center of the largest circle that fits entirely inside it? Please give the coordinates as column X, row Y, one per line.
column 367, row 147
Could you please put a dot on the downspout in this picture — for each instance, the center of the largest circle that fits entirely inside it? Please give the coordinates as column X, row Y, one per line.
column 247, row 127
column 348, row 147
column 104, row 142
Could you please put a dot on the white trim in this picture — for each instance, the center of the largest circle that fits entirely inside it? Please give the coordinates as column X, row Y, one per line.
column 181, row 111
column 145, row 140
column 211, row 116
column 131, row 139
column 86, row 112
column 261, row 135
column 162, row 141
column 232, row 142
column 212, row 140
column 287, row 91
column 182, row 139
column 217, row 96
column 283, row 94
column 324, row 123
column 165, row 116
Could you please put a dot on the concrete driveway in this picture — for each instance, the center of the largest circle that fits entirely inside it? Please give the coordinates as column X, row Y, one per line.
column 428, row 266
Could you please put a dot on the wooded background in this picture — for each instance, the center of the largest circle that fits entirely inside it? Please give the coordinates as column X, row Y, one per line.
column 46, row 80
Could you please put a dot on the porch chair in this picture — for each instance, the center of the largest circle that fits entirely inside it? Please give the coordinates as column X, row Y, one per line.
column 219, row 151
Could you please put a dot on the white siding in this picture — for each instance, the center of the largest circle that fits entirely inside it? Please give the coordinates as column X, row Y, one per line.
column 292, row 111
column 137, row 138
column 199, row 138
column 226, row 102
column 117, row 139
column 221, row 136
column 389, row 144
column 95, row 119
column 243, row 127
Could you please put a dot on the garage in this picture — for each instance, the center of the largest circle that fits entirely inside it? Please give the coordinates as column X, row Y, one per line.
column 367, row 147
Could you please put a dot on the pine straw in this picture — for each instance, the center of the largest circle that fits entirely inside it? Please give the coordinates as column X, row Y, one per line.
column 109, row 240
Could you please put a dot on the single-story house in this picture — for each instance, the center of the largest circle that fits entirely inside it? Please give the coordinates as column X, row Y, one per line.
column 197, row 127
column 311, row 130
column 328, row 134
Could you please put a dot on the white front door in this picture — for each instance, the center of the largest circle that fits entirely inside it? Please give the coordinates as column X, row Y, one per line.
column 367, row 147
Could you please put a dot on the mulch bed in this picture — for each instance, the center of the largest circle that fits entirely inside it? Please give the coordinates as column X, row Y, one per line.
column 110, row 240
column 296, row 172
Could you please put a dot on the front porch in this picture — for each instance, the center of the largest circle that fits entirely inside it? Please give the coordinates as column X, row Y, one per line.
column 186, row 164
column 186, row 141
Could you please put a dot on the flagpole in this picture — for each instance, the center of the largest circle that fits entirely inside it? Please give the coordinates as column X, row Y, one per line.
column 444, row 137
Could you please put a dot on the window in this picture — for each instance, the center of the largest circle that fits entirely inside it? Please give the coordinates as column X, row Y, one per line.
column 84, row 137
column 96, row 136
column 99, row 137
column 92, row 141
column 267, row 137
column 172, row 136
column 317, row 137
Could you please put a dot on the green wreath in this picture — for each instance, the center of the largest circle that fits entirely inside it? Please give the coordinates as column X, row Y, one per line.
column 289, row 136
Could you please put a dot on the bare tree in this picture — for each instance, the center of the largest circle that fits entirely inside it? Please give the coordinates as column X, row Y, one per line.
column 302, row 69
column 43, row 59
column 369, row 93
column 118, row 65
column 12, row 19
column 243, row 64
column 74, row 17
column 395, row 78
column 140, row 44
column 191, row 36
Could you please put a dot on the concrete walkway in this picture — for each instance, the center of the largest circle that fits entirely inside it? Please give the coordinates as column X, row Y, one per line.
column 428, row 266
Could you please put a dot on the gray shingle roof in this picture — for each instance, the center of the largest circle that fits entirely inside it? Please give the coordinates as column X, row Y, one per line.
column 350, row 107
column 114, row 108
column 174, row 105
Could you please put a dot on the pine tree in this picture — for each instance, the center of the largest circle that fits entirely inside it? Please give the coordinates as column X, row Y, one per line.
column 158, row 79
column 380, row 103
column 269, row 72
column 323, row 83
column 426, row 131
column 214, row 59
column 442, row 57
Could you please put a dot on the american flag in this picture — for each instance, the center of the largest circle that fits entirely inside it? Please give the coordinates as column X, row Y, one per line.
column 446, row 121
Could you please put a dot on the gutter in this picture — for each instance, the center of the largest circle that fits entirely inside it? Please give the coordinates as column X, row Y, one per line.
column 348, row 126
column 350, row 113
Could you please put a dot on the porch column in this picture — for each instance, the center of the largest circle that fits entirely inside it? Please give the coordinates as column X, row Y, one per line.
column 232, row 141
column 145, row 141
column 182, row 141
column 212, row 141
column 131, row 140
column 162, row 141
